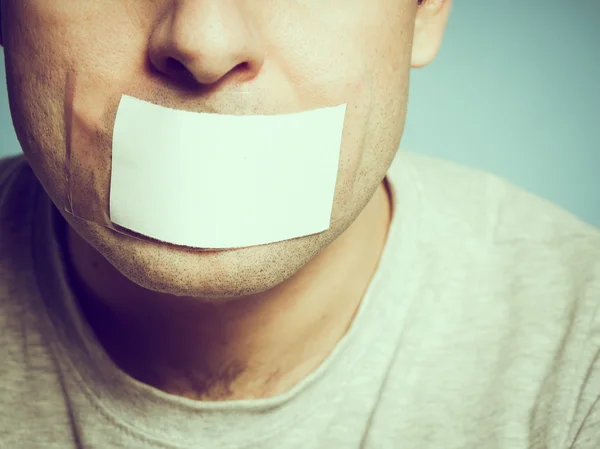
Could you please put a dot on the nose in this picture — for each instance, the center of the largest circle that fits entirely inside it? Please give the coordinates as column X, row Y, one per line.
column 206, row 41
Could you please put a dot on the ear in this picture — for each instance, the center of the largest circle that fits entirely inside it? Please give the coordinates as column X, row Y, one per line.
column 430, row 24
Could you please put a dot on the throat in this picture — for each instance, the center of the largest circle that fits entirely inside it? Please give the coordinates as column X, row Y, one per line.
column 233, row 380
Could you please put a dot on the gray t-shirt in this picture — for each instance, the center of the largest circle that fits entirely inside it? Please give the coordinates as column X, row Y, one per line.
column 480, row 329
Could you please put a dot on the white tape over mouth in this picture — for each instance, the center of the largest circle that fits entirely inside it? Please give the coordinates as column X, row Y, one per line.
column 223, row 181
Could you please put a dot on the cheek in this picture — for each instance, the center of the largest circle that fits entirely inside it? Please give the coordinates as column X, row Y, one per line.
column 58, row 43
column 34, row 90
column 373, row 129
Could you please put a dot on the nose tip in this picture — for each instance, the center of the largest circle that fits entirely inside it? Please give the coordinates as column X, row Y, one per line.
column 205, row 45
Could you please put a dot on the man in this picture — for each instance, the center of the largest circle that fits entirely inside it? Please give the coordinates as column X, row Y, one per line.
column 440, row 308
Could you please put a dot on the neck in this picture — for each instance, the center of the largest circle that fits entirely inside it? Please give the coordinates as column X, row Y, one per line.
column 254, row 346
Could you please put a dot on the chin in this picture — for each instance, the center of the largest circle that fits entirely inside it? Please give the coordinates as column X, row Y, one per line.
column 209, row 275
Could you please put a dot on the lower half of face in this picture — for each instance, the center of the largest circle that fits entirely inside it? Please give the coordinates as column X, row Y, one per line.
column 69, row 62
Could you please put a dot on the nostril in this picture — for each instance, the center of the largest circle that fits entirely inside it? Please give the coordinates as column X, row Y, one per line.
column 174, row 66
column 178, row 72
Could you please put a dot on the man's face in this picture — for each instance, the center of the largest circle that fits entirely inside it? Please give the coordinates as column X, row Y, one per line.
column 288, row 55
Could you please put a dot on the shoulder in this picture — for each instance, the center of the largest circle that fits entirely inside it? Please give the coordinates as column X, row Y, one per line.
column 491, row 207
column 535, row 261
column 29, row 368
column 18, row 191
column 478, row 222
column 16, row 178
column 9, row 167
column 18, row 187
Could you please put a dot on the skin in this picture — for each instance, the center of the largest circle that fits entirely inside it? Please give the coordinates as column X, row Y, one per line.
column 242, row 323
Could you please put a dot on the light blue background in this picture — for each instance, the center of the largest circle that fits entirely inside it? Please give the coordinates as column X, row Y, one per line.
column 515, row 90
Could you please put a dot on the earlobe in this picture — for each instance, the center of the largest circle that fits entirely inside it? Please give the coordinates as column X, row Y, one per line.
column 430, row 24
